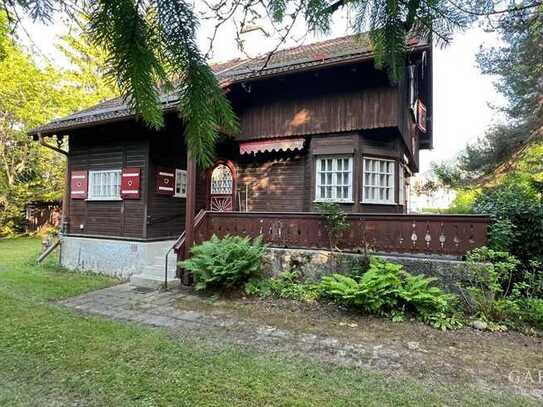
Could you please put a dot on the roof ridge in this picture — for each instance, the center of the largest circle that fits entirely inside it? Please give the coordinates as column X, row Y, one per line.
column 292, row 48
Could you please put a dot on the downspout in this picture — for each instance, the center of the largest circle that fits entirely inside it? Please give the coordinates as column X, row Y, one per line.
column 65, row 197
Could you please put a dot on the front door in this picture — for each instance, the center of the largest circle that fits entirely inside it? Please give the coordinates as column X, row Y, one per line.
column 221, row 189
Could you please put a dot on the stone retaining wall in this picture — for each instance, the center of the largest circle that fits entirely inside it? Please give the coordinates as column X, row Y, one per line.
column 313, row 264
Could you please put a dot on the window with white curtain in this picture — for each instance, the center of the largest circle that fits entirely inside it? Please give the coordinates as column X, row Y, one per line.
column 180, row 184
column 334, row 179
column 105, row 185
column 378, row 181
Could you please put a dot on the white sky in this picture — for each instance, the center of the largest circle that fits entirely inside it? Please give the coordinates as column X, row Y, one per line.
column 461, row 93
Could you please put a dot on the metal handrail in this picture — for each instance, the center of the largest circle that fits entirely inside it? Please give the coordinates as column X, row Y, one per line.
column 48, row 251
column 179, row 242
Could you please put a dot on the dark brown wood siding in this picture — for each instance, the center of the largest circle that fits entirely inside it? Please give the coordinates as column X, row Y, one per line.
column 285, row 181
column 273, row 182
column 105, row 148
column 166, row 214
column 336, row 100
column 325, row 113
column 407, row 126
column 329, row 108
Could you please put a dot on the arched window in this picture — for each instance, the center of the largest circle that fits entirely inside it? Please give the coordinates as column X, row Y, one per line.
column 221, row 180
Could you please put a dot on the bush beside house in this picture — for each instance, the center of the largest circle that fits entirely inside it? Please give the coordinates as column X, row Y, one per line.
column 225, row 263
column 490, row 296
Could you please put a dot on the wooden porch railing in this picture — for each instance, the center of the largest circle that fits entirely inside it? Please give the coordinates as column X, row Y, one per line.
column 449, row 235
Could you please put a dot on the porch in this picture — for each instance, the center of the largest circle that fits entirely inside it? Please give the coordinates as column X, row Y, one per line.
column 449, row 236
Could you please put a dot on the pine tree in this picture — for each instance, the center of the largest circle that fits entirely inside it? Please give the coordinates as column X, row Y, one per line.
column 151, row 45
column 518, row 67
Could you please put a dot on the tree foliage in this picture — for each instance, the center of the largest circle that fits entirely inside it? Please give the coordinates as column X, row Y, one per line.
column 151, row 47
column 518, row 66
column 516, row 209
column 151, row 44
column 29, row 96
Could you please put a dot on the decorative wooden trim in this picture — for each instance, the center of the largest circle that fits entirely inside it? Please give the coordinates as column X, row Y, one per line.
column 230, row 164
column 444, row 235
column 165, row 181
column 130, row 183
column 79, row 184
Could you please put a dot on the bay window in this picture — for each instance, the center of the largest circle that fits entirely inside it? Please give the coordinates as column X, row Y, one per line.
column 378, row 181
column 334, row 179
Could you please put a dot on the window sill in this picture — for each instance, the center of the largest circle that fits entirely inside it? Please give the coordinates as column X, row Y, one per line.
column 332, row 201
column 378, row 203
column 180, row 196
column 103, row 199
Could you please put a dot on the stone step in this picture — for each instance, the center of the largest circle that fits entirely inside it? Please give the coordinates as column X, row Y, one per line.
column 152, row 281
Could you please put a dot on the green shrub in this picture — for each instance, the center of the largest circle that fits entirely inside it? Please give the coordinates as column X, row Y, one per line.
column 464, row 201
column 287, row 285
column 516, row 210
column 521, row 313
column 490, row 294
column 498, row 273
column 530, row 312
column 343, row 290
column 335, row 221
column 531, row 285
column 225, row 263
column 386, row 289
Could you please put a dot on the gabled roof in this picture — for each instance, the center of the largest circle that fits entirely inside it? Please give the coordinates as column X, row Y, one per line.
column 320, row 54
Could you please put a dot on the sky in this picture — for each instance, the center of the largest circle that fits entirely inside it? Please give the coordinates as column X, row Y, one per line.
column 461, row 93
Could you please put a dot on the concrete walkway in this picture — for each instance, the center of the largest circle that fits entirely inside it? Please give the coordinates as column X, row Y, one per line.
column 158, row 308
column 464, row 357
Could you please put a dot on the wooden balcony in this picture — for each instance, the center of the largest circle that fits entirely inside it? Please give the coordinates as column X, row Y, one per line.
column 444, row 235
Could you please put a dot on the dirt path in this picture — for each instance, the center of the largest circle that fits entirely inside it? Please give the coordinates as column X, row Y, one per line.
column 491, row 361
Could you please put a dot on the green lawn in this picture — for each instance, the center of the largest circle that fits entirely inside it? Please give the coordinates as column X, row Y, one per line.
column 52, row 356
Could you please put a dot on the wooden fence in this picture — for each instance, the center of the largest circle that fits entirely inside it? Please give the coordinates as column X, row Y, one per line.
column 450, row 235
column 39, row 215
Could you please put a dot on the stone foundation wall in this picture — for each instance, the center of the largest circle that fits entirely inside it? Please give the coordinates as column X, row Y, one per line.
column 313, row 264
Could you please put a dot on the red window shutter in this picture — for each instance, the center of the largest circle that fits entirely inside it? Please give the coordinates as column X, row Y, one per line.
column 130, row 183
column 78, row 185
column 421, row 116
column 165, row 181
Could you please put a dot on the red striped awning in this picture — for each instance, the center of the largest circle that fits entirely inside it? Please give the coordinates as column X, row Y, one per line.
column 261, row 146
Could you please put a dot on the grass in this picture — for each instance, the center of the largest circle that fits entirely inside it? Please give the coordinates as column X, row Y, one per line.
column 52, row 356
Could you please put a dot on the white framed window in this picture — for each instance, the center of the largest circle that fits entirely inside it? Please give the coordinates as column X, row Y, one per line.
column 401, row 185
column 334, row 179
column 180, row 184
column 378, row 181
column 105, row 185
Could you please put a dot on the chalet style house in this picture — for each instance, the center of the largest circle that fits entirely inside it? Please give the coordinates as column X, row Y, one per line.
column 319, row 123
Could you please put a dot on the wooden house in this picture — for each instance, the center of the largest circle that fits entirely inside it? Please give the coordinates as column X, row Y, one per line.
column 319, row 123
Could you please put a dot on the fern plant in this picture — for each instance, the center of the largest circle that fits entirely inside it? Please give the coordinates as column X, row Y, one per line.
column 342, row 289
column 387, row 289
column 225, row 263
